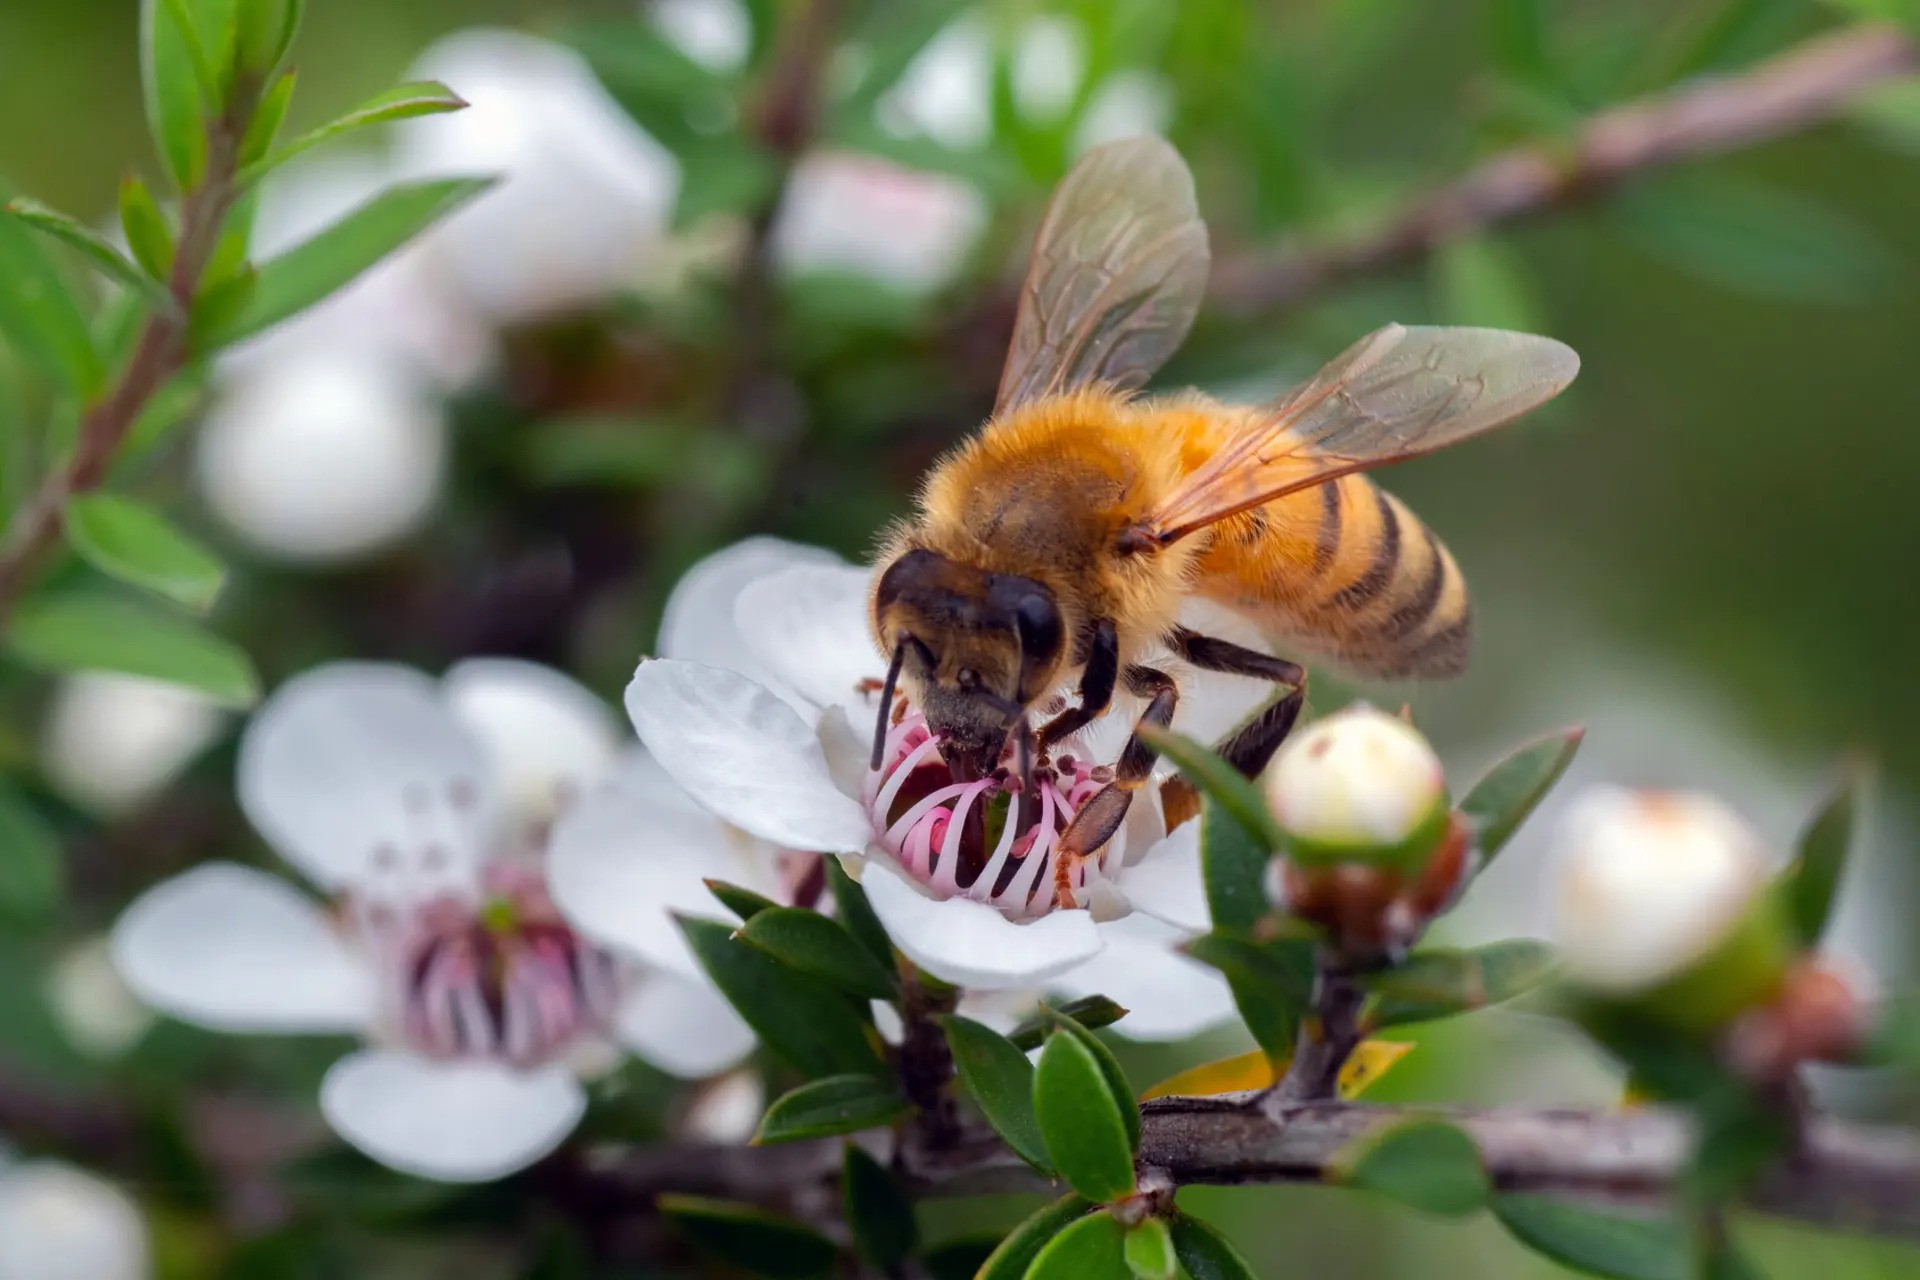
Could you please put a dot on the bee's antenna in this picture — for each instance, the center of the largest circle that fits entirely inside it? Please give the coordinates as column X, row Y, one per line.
column 886, row 704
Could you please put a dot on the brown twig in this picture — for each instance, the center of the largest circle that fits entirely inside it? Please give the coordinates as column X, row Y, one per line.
column 1326, row 1040
column 1797, row 89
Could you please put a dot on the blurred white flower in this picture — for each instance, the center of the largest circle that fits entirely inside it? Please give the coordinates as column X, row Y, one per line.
column 714, row 33
column 322, row 457
column 1049, row 62
column 1356, row 777
column 944, row 92
column 870, row 217
column 586, row 193
column 1127, row 104
column 481, row 1006
column 58, row 1223
column 726, row 1110
column 769, row 747
column 93, row 1004
column 1649, row 883
column 112, row 741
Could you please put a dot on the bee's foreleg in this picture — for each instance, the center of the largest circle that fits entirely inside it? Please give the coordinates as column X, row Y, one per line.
column 1100, row 817
column 1250, row 747
column 1097, row 680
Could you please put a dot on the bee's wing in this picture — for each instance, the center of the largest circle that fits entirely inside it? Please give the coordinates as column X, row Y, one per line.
column 1116, row 276
column 1397, row 393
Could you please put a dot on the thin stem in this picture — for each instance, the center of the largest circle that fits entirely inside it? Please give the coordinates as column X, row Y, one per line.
column 1326, row 1040
column 926, row 1064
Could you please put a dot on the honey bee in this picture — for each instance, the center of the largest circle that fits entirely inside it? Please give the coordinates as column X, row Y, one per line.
column 1055, row 548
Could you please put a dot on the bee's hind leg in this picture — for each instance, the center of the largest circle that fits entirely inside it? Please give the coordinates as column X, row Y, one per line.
column 1249, row 747
column 1100, row 817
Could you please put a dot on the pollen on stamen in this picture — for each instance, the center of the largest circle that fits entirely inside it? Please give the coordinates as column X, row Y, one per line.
column 988, row 839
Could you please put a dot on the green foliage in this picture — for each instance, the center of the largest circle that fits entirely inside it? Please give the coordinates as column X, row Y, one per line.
column 1425, row 1164
column 1024, row 1243
column 184, row 84
column 832, row 1106
column 1219, row 782
column 1820, row 859
column 136, row 544
column 88, row 632
column 879, row 1212
column 744, row 903
column 765, row 1244
column 92, row 246
column 1442, row 983
column 855, row 914
column 1083, row 1120
column 1511, row 789
column 813, row 944
column 1233, row 861
column 403, row 102
column 1597, row 1242
column 39, row 315
column 32, row 873
column 1091, row 1012
column 1092, row 1248
column 1206, row 1254
column 997, row 1075
column 1149, row 1251
column 1271, row 981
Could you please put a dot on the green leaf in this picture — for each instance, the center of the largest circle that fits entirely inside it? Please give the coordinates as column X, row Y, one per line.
column 39, row 315
column 806, row 1022
column 813, row 944
column 1479, row 281
column 1023, row 1244
column 959, row 1259
column 1110, row 1069
column 878, row 1210
column 1081, row 1120
column 744, row 903
column 855, row 913
column 137, row 545
column 1234, row 863
column 1509, row 791
column 32, row 874
column 765, row 1244
column 405, row 102
column 999, row 1078
column 1272, row 982
column 1093, row 1248
column 1149, row 1251
column 268, row 118
column 179, row 79
column 726, row 176
column 1442, row 983
column 85, row 632
column 1424, row 1164
column 830, row 1107
column 1813, row 878
column 311, row 271
column 1091, row 1012
column 1220, row 782
column 1891, row 114
column 1206, row 1254
column 94, row 247
column 264, row 32
column 145, row 228
column 1599, row 1243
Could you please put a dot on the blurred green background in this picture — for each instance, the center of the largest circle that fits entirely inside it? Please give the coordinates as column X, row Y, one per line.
column 1707, row 550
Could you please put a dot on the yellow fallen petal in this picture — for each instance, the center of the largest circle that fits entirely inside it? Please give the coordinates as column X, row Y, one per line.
column 1369, row 1062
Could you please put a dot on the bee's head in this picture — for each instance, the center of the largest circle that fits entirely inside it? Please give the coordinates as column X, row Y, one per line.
column 975, row 649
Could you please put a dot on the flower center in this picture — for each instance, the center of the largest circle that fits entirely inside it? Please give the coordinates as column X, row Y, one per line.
column 984, row 839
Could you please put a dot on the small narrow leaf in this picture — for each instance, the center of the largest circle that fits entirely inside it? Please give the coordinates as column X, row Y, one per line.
column 764, row 1244
column 174, row 65
column 1814, row 876
column 1091, row 1012
column 878, row 1210
column 1234, row 865
column 137, row 545
column 1501, row 800
column 85, row 632
column 744, row 903
column 813, row 944
column 1023, row 1244
column 31, row 871
column 268, row 118
column 1271, row 982
column 1424, row 1164
column 1596, row 1242
column 1082, row 1122
column 1245, row 1072
column 263, row 31
column 1000, row 1080
column 145, row 228
column 1221, row 783
column 1149, row 1251
column 1110, row 1069
column 311, row 271
column 1093, row 1248
column 855, row 912
column 1206, row 1254
column 424, row 98
column 1442, row 983
column 94, row 247
column 808, row 1023
column 831, row 1107
column 38, row 313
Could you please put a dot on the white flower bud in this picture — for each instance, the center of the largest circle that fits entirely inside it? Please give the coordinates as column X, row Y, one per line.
column 870, row 217
column 113, row 741
column 100, row 1014
column 1357, row 780
column 57, row 1223
column 1649, row 884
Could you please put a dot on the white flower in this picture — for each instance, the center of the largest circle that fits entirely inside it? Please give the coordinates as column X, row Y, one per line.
column 321, row 456
column 586, row 194
column 57, row 1223
column 945, row 92
column 777, row 747
column 717, row 34
column 112, row 741
column 1127, row 104
column 1650, row 882
column 480, row 1004
column 1357, row 777
column 92, row 1003
column 866, row 216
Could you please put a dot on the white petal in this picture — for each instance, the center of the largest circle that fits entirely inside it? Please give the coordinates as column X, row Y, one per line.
column 548, row 736
column 744, row 754
column 354, row 760
column 58, row 1223
column 1167, row 996
column 807, row 626
column 636, row 850
column 683, row 1026
column 111, row 742
column 969, row 943
column 1168, row 883
column 698, row 623
column 450, row 1121
column 235, row 949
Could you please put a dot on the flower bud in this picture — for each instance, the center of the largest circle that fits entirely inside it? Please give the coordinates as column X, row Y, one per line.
column 1663, row 900
column 1359, row 786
